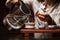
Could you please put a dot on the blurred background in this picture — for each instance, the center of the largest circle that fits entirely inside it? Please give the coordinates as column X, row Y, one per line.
column 14, row 35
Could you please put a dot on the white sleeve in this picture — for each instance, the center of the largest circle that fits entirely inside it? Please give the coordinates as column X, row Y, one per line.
column 57, row 19
column 35, row 6
column 27, row 1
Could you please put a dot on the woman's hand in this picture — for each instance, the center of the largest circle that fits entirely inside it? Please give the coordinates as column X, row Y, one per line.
column 14, row 1
column 43, row 16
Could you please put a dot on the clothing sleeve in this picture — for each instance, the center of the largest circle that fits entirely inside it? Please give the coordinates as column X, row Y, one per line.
column 57, row 19
column 27, row 1
column 35, row 6
column 55, row 15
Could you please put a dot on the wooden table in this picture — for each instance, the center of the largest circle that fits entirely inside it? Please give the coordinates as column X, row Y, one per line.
column 27, row 31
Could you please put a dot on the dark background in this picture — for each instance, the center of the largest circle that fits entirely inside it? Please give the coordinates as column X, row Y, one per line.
column 3, row 13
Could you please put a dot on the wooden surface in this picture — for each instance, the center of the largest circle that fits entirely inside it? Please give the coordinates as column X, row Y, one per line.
column 40, row 30
column 27, row 31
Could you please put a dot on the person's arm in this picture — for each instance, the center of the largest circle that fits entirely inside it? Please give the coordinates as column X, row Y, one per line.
column 27, row 1
column 14, row 1
column 35, row 6
column 45, row 17
column 9, row 3
column 57, row 19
